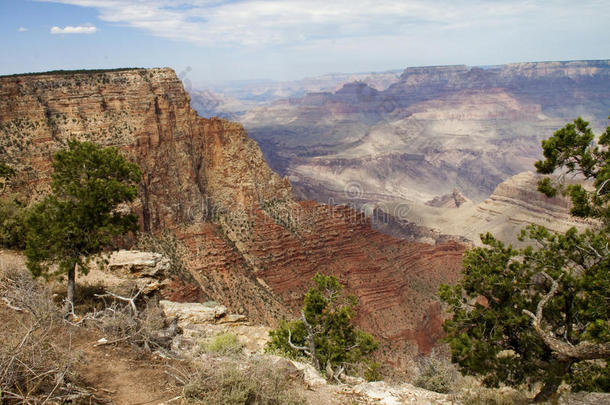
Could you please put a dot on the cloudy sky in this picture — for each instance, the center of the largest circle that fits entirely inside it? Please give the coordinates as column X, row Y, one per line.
column 290, row 39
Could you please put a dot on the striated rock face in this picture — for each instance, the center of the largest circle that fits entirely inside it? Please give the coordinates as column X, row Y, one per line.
column 434, row 130
column 193, row 168
column 250, row 245
column 514, row 204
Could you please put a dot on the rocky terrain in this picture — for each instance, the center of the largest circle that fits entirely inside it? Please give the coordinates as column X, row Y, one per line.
column 249, row 244
column 514, row 204
column 435, row 130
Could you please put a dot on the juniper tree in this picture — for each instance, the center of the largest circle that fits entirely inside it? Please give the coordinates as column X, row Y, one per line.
column 540, row 314
column 325, row 331
column 80, row 217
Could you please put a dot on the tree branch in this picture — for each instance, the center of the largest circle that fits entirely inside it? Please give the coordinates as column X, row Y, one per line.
column 131, row 300
column 565, row 350
column 295, row 347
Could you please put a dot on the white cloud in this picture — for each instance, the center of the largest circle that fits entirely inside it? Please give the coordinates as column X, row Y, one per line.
column 22, row 29
column 264, row 22
column 79, row 29
column 293, row 22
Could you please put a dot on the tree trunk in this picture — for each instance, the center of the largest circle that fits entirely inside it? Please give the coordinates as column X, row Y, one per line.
column 70, row 293
column 310, row 342
column 560, row 369
column 547, row 391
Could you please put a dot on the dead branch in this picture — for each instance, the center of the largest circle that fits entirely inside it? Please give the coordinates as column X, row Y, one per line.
column 565, row 350
column 310, row 341
column 295, row 347
column 130, row 300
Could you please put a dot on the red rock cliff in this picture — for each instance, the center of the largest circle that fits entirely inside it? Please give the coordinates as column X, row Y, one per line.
column 250, row 244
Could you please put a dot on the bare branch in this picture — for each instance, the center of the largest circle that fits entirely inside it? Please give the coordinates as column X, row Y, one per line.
column 310, row 341
column 131, row 300
column 565, row 350
column 295, row 347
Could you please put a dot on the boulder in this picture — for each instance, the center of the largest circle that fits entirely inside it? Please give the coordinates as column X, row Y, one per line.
column 192, row 313
column 138, row 264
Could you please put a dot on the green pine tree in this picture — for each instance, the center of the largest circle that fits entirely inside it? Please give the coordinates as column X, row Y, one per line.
column 326, row 332
column 80, row 217
column 541, row 314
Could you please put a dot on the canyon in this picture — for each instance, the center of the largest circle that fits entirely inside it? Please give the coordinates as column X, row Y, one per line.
column 248, row 242
column 435, row 130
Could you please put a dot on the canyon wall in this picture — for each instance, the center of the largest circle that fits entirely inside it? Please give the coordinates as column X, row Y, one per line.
column 249, row 244
column 436, row 129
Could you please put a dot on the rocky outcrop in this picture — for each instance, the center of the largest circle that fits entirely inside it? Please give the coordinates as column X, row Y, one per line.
column 249, row 244
column 453, row 200
column 514, row 204
column 147, row 264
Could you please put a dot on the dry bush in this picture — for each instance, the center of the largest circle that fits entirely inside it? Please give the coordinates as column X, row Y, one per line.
column 146, row 328
column 33, row 368
column 437, row 373
column 35, row 365
column 232, row 382
column 22, row 293
column 472, row 392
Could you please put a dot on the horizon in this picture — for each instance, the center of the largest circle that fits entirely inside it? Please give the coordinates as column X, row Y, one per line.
column 271, row 80
column 259, row 40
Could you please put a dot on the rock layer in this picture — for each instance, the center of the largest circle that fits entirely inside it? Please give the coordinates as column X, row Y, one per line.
column 436, row 129
column 249, row 243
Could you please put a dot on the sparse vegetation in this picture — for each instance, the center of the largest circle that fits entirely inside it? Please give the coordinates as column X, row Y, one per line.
column 12, row 222
column 33, row 367
column 73, row 72
column 254, row 381
column 225, row 344
column 437, row 373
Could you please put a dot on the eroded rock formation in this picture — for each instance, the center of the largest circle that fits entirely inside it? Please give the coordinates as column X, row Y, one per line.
column 249, row 243
column 436, row 129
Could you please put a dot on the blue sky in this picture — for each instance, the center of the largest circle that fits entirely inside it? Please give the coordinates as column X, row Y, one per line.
column 291, row 39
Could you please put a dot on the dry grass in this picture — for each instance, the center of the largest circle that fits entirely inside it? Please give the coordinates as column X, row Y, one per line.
column 239, row 382
column 472, row 392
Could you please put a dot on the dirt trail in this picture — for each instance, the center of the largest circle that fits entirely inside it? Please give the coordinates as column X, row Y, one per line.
column 125, row 376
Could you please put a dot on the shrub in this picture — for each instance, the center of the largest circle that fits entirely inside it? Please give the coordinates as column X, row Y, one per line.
column 34, row 366
column 436, row 373
column 327, row 325
column 12, row 223
column 147, row 329
column 225, row 344
column 236, row 383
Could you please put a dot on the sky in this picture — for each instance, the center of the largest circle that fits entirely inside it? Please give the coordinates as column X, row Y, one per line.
column 211, row 41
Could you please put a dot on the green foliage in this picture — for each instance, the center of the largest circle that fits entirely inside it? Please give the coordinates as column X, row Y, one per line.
column 6, row 171
column 12, row 222
column 572, row 150
column 224, row 344
column 372, row 371
column 80, row 217
column 330, row 313
column 491, row 333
